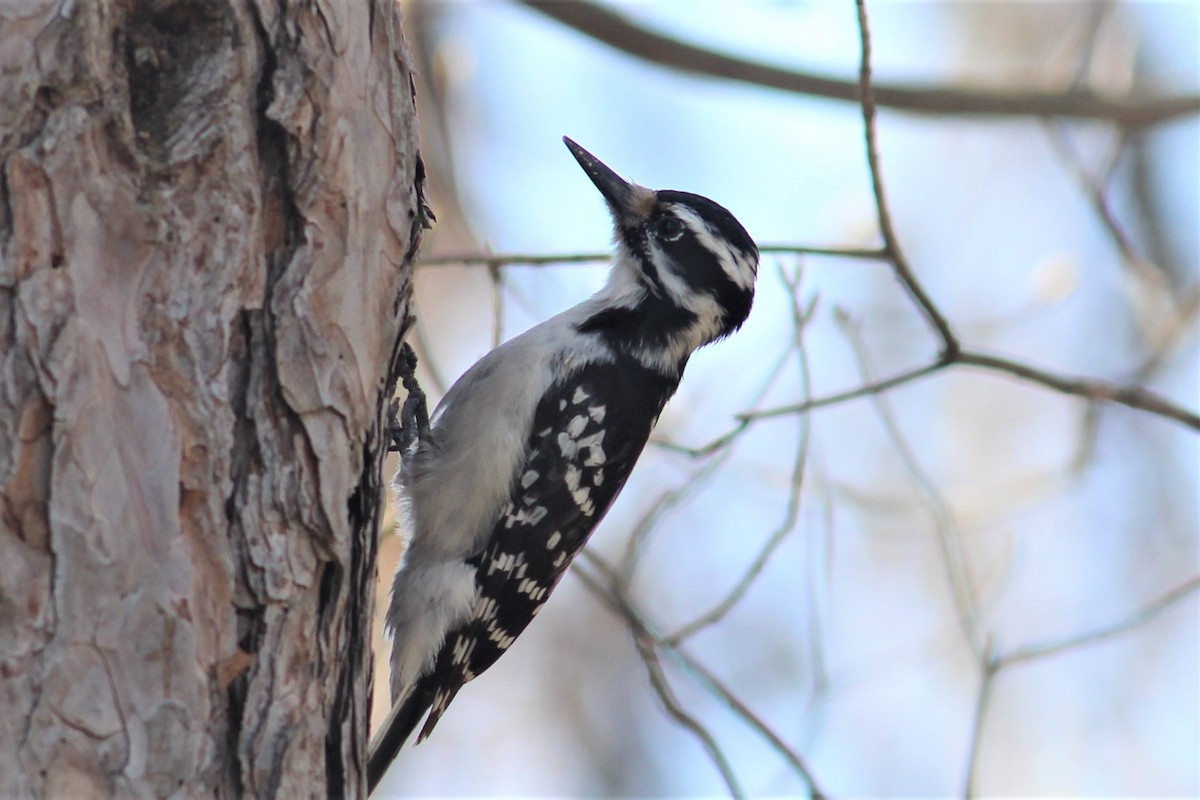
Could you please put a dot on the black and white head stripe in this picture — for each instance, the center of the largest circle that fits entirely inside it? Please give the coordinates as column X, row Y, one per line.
column 702, row 259
column 721, row 225
column 683, row 277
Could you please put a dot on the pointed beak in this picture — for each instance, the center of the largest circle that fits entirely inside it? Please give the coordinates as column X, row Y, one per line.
column 629, row 203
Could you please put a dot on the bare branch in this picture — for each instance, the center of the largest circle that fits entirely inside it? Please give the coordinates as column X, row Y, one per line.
column 668, row 500
column 707, row 449
column 621, row 605
column 1138, row 618
column 957, row 566
column 735, row 703
column 907, row 376
column 548, row 259
column 791, row 512
column 1126, row 395
column 983, row 702
column 616, row 31
column 992, row 664
column 1149, row 275
column 658, row 680
column 890, row 241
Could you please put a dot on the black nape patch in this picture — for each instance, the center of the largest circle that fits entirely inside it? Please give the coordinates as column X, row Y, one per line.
column 648, row 326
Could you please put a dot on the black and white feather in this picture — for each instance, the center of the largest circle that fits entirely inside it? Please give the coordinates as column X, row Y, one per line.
column 529, row 448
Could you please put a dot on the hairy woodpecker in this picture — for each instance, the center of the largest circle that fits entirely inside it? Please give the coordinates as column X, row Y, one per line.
column 529, row 448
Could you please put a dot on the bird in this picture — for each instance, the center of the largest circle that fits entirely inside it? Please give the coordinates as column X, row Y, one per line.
column 528, row 449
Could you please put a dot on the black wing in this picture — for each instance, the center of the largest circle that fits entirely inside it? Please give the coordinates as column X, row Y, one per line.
column 587, row 434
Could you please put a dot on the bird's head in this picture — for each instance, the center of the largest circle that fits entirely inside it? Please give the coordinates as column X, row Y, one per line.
column 678, row 251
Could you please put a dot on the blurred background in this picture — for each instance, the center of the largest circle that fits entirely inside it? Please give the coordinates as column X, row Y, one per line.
column 970, row 584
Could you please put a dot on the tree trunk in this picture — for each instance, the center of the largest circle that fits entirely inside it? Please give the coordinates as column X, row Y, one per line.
column 208, row 213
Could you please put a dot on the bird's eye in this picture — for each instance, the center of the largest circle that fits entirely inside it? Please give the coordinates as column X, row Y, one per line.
column 670, row 229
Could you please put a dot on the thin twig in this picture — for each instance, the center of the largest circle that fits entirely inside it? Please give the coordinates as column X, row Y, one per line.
column 698, row 479
column 891, row 242
column 993, row 664
column 983, row 703
column 668, row 500
column 791, row 511
column 658, row 681
column 1138, row 618
column 550, row 259
column 1127, row 395
column 1188, row 311
column 621, row 605
column 1150, row 275
column 908, row 376
column 705, row 450
column 958, row 568
column 725, row 439
column 717, row 686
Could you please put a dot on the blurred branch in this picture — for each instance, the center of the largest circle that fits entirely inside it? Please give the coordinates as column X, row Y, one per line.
column 619, row 33
column 671, row 498
column 547, row 259
column 718, row 687
column 1146, row 194
column 648, row 651
column 1127, row 395
column 993, row 664
column 908, row 376
column 891, row 243
column 724, row 440
column 1187, row 311
column 954, row 559
column 1138, row 618
column 1152, row 279
column 606, row 589
column 792, row 510
column 983, row 702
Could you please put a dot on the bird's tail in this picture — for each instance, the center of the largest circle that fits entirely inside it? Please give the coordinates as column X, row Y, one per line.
column 394, row 732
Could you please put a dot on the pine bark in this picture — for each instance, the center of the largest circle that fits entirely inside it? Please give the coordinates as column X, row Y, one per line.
column 208, row 215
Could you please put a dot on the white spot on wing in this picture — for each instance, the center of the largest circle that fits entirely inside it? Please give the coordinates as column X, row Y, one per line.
column 595, row 455
column 486, row 608
column 499, row 636
column 463, row 647
column 571, row 478
column 503, row 562
column 576, row 426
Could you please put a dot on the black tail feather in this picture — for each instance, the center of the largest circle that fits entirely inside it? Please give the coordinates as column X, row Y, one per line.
column 394, row 732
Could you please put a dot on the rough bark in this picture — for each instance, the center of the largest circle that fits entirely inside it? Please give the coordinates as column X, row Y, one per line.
column 208, row 212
